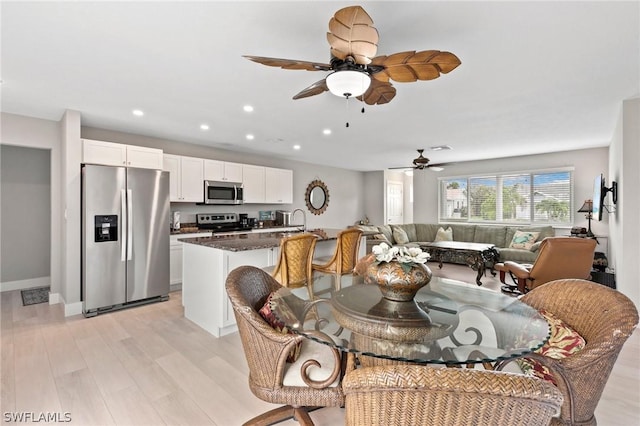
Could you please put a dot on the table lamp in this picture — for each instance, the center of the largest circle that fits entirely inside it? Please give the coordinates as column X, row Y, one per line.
column 587, row 208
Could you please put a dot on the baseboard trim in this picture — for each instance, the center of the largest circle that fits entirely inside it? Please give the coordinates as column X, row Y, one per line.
column 24, row 284
column 72, row 309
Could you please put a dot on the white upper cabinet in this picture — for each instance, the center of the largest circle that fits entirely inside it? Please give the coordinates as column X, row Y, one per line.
column 116, row 154
column 253, row 183
column 186, row 178
column 278, row 186
column 222, row 171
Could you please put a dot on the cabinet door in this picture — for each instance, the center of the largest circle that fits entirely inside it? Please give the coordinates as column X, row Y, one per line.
column 144, row 158
column 175, row 264
column 213, row 170
column 106, row 153
column 192, row 179
column 171, row 164
column 222, row 171
column 278, row 186
column 253, row 183
column 233, row 172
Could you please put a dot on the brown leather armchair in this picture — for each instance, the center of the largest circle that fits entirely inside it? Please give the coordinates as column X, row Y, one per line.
column 558, row 258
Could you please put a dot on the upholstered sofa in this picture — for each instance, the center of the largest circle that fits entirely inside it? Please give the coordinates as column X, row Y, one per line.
column 502, row 237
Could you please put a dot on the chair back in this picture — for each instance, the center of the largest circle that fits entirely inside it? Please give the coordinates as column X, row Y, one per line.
column 605, row 318
column 421, row 395
column 266, row 351
column 293, row 268
column 248, row 289
column 562, row 257
column 347, row 249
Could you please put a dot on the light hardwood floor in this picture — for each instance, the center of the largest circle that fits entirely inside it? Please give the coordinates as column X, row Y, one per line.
column 151, row 366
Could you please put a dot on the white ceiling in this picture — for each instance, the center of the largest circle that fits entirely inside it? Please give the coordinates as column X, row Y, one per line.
column 535, row 76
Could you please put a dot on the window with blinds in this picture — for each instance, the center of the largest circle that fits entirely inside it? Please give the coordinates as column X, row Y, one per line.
column 542, row 197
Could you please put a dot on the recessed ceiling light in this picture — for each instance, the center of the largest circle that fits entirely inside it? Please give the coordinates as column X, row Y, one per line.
column 440, row 148
column 204, row 127
column 326, row 132
column 250, row 137
column 137, row 112
column 247, row 108
column 296, row 147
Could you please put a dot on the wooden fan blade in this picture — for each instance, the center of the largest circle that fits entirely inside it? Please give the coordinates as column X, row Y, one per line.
column 289, row 64
column 351, row 33
column 378, row 93
column 406, row 67
column 315, row 89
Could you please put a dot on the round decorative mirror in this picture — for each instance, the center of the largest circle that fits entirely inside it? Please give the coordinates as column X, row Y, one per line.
column 317, row 197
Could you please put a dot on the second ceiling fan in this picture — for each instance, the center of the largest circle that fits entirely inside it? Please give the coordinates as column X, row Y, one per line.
column 355, row 70
column 422, row 162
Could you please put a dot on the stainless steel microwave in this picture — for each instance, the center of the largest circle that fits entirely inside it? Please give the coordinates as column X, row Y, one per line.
column 216, row 192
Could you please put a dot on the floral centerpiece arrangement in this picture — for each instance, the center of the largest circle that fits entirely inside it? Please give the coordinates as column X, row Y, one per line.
column 399, row 271
column 407, row 256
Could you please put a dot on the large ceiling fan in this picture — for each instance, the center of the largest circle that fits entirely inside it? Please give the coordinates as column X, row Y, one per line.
column 422, row 162
column 355, row 70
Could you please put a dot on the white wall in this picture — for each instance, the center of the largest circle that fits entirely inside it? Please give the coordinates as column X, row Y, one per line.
column 25, row 259
column 374, row 196
column 624, row 158
column 44, row 134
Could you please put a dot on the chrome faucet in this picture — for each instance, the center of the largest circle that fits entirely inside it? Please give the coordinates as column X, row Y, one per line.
column 304, row 218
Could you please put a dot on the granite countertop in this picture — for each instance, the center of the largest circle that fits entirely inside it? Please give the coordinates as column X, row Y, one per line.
column 255, row 241
column 192, row 228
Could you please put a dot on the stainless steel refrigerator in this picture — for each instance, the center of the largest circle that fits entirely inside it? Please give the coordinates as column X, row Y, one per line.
column 125, row 237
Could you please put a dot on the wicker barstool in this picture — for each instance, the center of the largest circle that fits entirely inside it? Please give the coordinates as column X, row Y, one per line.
column 344, row 258
column 605, row 318
column 420, row 395
column 271, row 377
column 293, row 268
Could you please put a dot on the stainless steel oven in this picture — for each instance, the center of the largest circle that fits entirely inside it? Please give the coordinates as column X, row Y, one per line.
column 216, row 192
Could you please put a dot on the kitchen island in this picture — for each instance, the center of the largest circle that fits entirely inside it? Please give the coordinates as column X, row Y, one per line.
column 208, row 260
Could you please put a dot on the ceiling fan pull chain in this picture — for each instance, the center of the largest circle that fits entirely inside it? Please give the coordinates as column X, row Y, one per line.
column 347, row 105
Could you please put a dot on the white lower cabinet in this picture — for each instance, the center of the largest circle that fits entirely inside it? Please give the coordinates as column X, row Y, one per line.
column 175, row 255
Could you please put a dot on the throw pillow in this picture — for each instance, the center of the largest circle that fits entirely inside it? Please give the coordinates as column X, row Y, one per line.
column 523, row 240
column 444, row 234
column 535, row 247
column 399, row 235
column 268, row 315
column 564, row 342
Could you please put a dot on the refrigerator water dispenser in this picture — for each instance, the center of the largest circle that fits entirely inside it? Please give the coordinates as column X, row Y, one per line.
column 106, row 228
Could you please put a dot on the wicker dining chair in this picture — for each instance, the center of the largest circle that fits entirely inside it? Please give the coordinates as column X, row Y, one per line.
column 271, row 377
column 558, row 258
column 344, row 258
column 605, row 318
column 293, row 268
column 420, row 395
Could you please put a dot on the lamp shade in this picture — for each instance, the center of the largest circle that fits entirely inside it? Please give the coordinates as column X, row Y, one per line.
column 348, row 83
column 587, row 207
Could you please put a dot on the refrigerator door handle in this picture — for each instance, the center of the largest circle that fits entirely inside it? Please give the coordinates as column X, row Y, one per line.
column 129, row 224
column 123, row 225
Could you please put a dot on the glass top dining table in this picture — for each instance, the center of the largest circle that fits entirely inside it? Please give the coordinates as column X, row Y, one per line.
column 448, row 322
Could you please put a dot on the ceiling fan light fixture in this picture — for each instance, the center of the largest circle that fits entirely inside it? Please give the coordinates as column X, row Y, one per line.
column 348, row 83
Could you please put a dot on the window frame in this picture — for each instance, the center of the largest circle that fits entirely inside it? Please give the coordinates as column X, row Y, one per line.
column 495, row 175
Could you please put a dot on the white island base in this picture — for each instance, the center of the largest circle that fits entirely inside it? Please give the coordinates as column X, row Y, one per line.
column 204, row 273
